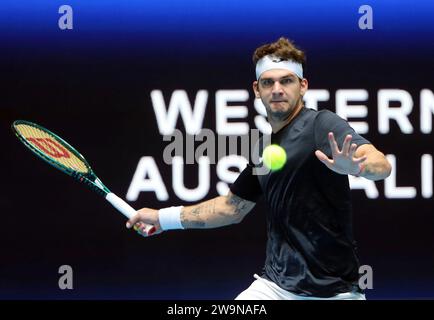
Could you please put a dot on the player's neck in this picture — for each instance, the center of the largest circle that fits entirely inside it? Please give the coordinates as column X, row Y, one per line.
column 276, row 126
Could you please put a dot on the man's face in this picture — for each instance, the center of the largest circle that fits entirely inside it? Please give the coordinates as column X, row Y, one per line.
column 281, row 92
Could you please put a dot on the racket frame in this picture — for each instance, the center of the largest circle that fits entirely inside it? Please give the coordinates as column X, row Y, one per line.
column 89, row 178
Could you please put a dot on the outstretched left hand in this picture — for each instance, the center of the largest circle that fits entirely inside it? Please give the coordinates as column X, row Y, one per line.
column 343, row 161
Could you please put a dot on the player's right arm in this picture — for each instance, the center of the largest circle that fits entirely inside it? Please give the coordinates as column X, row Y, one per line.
column 217, row 212
column 214, row 213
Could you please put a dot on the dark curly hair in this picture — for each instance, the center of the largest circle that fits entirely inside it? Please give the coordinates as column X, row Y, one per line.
column 282, row 48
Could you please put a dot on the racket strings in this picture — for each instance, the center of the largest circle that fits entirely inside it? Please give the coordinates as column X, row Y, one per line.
column 51, row 147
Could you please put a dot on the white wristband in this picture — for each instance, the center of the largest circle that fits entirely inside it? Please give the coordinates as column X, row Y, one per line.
column 170, row 218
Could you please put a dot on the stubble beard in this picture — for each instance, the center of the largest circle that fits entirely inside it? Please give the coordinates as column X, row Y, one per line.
column 282, row 115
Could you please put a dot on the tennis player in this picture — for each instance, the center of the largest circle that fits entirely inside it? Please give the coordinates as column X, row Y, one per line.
column 311, row 252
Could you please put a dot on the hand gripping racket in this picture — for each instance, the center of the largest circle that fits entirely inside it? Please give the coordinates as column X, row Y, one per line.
column 64, row 157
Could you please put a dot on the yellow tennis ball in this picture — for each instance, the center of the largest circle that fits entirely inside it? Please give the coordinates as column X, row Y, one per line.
column 274, row 157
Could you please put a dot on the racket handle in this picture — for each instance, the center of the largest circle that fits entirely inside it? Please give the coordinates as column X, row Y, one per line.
column 126, row 209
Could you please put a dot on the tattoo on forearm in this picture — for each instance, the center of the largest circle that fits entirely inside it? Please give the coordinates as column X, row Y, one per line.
column 239, row 204
column 205, row 208
column 215, row 213
column 195, row 218
column 195, row 211
column 194, row 223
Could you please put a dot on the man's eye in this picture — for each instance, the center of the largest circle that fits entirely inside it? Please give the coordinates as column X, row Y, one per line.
column 267, row 83
column 286, row 81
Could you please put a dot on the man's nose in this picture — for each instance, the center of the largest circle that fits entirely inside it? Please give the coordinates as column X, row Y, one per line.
column 277, row 88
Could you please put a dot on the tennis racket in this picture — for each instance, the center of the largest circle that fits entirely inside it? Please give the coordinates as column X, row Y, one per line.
column 61, row 155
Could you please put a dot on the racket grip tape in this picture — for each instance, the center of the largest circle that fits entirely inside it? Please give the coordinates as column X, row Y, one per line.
column 126, row 209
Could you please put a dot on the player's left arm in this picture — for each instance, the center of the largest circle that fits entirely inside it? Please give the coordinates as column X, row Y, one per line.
column 362, row 161
column 375, row 166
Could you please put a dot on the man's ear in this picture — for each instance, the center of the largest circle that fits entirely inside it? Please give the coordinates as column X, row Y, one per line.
column 255, row 89
column 303, row 86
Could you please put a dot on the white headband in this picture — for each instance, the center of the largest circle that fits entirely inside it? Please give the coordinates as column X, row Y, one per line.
column 272, row 62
